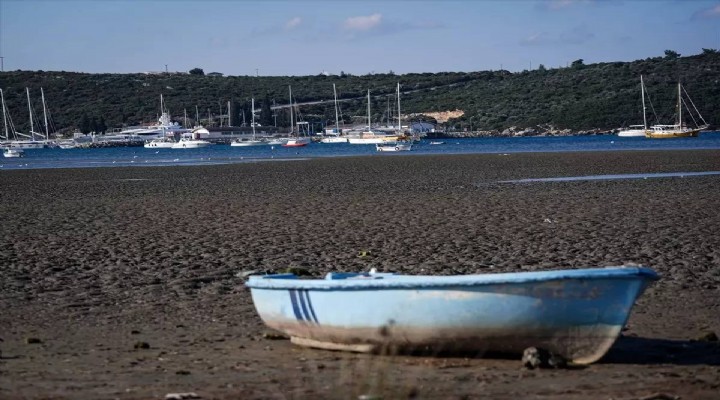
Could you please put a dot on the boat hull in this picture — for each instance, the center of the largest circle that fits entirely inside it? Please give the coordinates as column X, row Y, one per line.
column 159, row 145
column 672, row 134
column 248, row 143
column 394, row 147
column 632, row 133
column 575, row 314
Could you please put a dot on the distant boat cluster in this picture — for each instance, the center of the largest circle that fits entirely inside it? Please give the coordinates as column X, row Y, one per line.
column 171, row 135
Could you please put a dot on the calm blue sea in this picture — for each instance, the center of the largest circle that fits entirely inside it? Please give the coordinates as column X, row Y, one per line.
column 224, row 154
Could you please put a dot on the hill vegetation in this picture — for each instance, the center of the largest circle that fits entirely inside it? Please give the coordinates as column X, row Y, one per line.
column 578, row 97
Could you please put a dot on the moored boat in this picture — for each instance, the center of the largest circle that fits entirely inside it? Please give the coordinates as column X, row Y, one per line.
column 253, row 141
column 13, row 153
column 189, row 143
column 680, row 128
column 394, row 146
column 632, row 131
column 575, row 314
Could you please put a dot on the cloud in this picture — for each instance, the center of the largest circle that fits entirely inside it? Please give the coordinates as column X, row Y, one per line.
column 362, row 23
column 577, row 35
column 293, row 23
column 535, row 40
column 707, row 13
column 559, row 4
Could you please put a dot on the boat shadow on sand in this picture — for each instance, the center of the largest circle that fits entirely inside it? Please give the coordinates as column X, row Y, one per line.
column 626, row 350
column 639, row 350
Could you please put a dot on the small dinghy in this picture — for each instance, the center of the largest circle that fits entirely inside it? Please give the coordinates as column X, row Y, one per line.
column 576, row 314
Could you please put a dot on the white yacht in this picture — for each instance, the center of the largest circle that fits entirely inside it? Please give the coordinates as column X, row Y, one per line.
column 632, row 131
column 13, row 153
column 394, row 146
column 160, row 143
column 190, row 143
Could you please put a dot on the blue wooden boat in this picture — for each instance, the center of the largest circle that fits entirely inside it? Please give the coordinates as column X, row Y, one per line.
column 576, row 314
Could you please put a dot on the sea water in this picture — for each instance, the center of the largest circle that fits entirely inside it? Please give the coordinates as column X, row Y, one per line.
column 225, row 154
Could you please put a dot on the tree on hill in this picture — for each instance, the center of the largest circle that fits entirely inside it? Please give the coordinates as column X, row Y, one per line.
column 102, row 127
column 709, row 51
column 196, row 71
column 671, row 54
column 577, row 64
column 266, row 112
column 94, row 125
column 85, row 125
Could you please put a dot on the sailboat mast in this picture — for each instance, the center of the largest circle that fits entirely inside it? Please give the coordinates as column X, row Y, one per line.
column 47, row 133
column 252, row 111
column 185, row 123
column 399, row 120
column 369, row 127
column 337, row 121
column 292, row 126
column 642, row 93
column 32, row 129
column 679, row 106
column 7, row 135
column 229, row 121
column 197, row 116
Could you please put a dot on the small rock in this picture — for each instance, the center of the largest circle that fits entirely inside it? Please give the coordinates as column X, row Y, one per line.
column 182, row 372
column 141, row 345
column 134, row 332
column 708, row 336
column 534, row 357
column 182, row 396
column 299, row 271
column 247, row 273
column 274, row 336
column 33, row 340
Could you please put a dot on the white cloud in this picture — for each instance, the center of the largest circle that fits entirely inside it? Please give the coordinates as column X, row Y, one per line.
column 558, row 4
column 711, row 12
column 293, row 23
column 362, row 23
column 536, row 39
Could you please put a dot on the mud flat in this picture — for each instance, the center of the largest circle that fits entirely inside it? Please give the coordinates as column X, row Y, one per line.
column 121, row 282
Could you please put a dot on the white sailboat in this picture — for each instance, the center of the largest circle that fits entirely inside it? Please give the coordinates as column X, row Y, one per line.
column 370, row 137
column 637, row 130
column 680, row 128
column 294, row 140
column 7, row 151
column 30, row 142
column 249, row 142
column 337, row 134
column 400, row 143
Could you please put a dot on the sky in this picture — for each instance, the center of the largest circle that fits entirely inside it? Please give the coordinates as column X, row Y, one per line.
column 283, row 38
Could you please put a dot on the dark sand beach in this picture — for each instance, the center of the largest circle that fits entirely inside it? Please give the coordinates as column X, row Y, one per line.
column 121, row 282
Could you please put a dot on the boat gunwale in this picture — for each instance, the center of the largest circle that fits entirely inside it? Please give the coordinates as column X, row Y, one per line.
column 392, row 281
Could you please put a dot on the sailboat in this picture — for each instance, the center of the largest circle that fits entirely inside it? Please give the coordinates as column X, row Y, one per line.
column 370, row 137
column 680, row 128
column 401, row 142
column 336, row 137
column 294, row 140
column 251, row 142
column 8, row 152
column 637, row 130
column 31, row 142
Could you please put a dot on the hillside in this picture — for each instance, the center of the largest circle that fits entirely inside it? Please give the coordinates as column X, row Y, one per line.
column 580, row 97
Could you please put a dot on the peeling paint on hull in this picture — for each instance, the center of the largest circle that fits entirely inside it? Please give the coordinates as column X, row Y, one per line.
column 575, row 315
